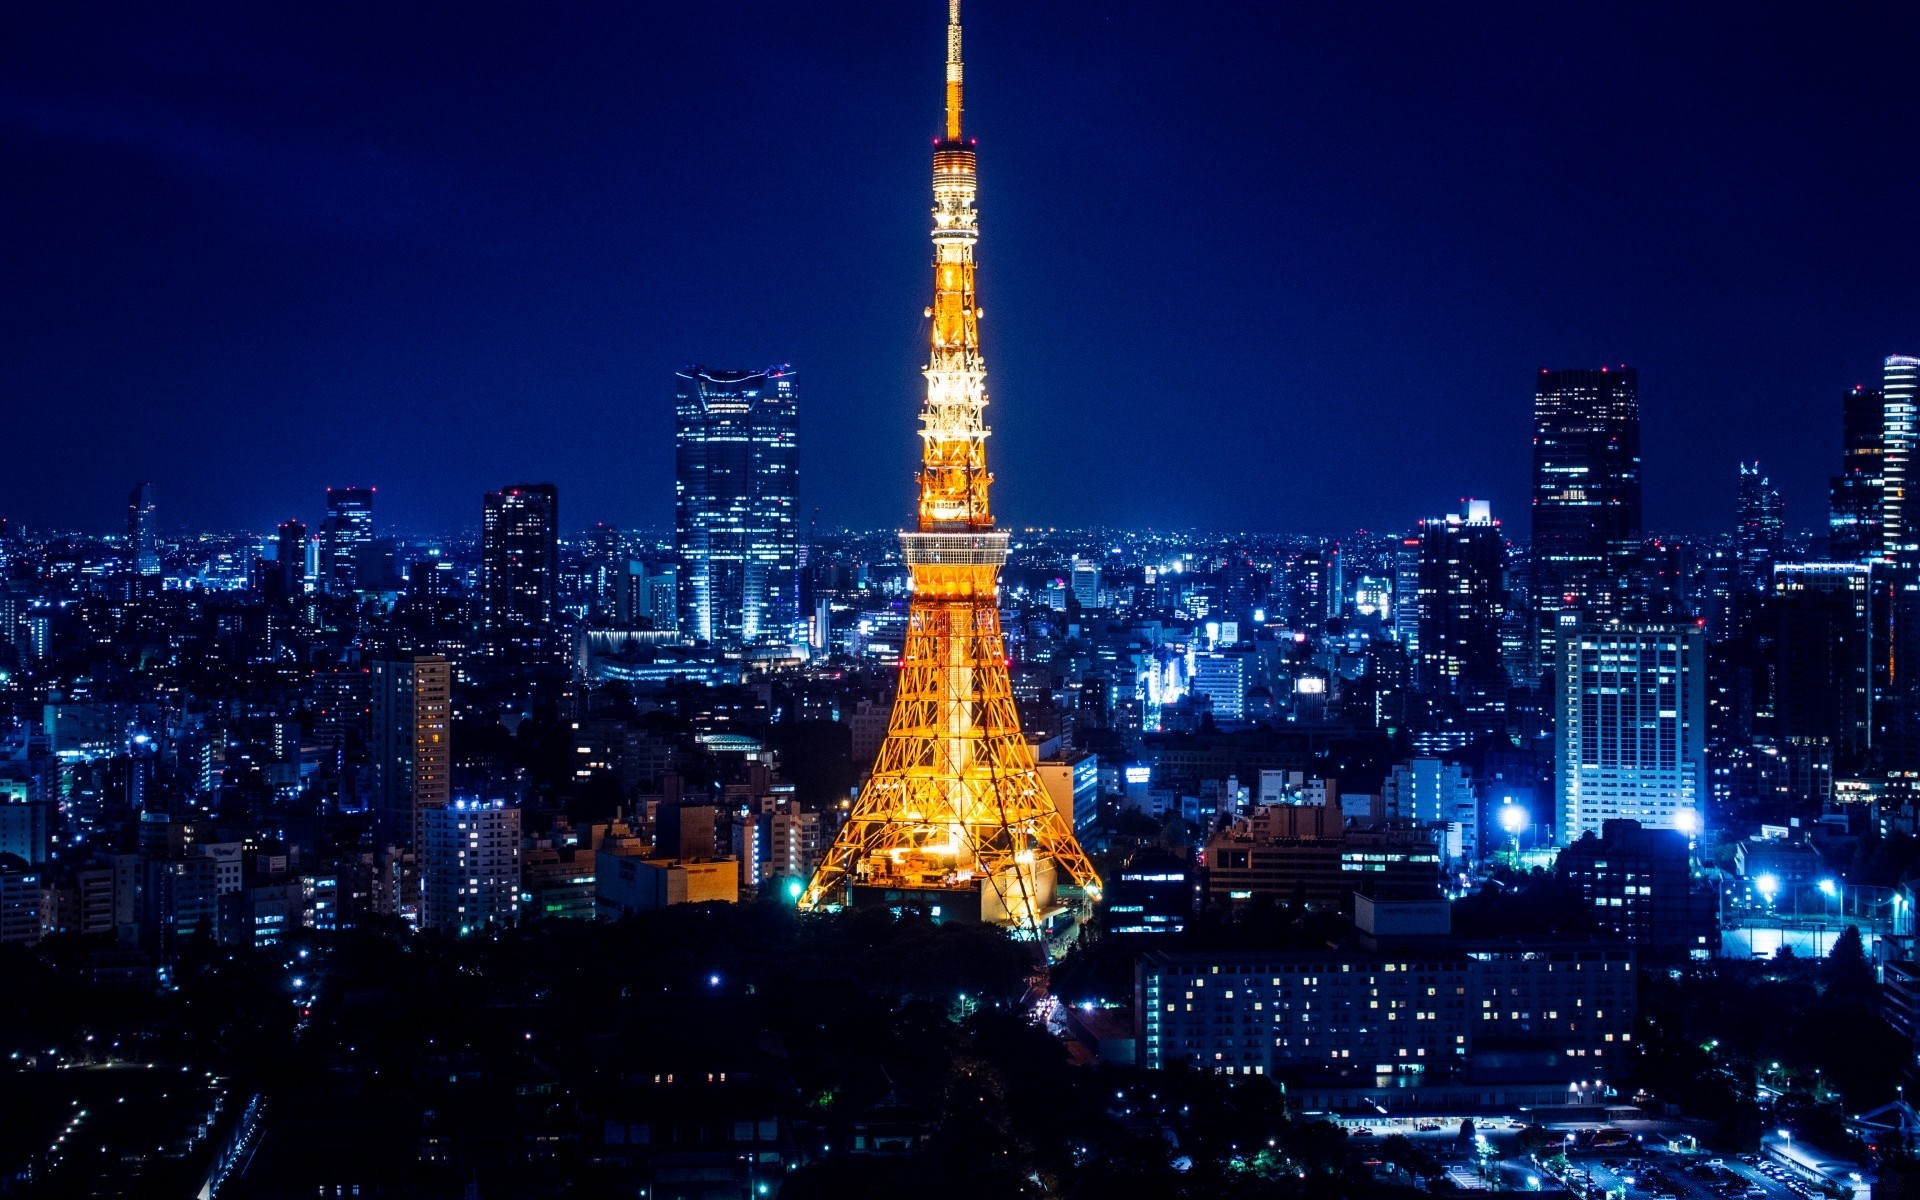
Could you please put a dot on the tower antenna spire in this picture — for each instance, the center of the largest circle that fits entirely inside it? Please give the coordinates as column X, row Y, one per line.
column 953, row 70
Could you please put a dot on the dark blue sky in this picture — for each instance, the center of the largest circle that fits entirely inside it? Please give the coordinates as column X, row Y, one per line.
column 1245, row 265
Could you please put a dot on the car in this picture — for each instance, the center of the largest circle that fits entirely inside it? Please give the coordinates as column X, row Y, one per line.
column 1360, row 1131
column 1428, row 1127
column 1716, row 1162
column 1754, row 1189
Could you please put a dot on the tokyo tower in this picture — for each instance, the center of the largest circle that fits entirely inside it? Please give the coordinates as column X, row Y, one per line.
column 955, row 812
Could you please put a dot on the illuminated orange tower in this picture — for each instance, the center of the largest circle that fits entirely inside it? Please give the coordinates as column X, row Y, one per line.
column 955, row 804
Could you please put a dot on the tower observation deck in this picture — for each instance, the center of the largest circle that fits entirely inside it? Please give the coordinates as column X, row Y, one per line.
column 955, row 810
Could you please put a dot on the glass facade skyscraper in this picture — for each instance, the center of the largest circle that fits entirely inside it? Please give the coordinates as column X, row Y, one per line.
column 1462, row 600
column 347, row 529
column 736, row 500
column 141, row 547
column 1854, row 496
column 1586, row 494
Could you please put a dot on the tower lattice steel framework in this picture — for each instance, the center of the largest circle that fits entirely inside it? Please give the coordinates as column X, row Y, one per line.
column 955, row 803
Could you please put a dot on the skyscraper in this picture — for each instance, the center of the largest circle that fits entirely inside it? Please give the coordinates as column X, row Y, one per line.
column 346, row 530
column 1462, row 599
column 1760, row 527
column 1854, row 496
column 1406, row 595
column 290, row 554
column 1821, row 619
column 520, row 569
column 411, row 742
column 1586, row 494
column 1630, row 738
column 1899, row 521
column 736, row 500
column 141, row 548
column 955, row 812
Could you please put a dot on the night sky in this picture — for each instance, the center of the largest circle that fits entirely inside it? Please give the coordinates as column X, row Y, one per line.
column 1244, row 265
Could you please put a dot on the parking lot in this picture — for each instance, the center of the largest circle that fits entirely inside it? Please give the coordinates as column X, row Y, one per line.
column 1659, row 1174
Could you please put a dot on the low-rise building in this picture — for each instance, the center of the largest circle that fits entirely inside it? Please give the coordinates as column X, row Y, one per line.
column 1396, row 1018
column 1307, row 854
column 1641, row 886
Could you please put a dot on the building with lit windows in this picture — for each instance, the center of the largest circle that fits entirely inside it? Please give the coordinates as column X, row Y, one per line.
column 1821, row 620
column 1630, row 734
column 1760, row 527
column 1586, row 494
column 1900, row 391
column 411, row 735
column 1439, row 794
column 736, row 496
column 1854, row 496
column 1306, row 854
column 142, row 549
column 1222, row 678
column 1462, row 599
column 470, row 867
column 1640, row 885
column 520, row 570
column 1344, row 1021
column 345, row 533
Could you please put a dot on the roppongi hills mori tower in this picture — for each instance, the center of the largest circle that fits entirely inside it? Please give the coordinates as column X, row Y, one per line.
column 955, row 812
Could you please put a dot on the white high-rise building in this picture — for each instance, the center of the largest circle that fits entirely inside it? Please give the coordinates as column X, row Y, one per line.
column 1899, row 434
column 470, row 869
column 1222, row 678
column 1630, row 739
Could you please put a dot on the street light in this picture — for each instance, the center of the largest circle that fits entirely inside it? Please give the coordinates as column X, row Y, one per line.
column 1768, row 886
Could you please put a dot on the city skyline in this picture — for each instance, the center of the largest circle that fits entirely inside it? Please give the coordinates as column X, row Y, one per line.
column 1440, row 233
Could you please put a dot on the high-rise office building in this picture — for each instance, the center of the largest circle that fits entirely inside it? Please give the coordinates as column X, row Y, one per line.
column 1462, row 600
column 470, row 866
column 141, row 547
column 1406, row 595
column 290, row 554
column 1630, row 738
column 736, row 496
column 344, row 534
column 520, row 569
column 1900, row 392
column 1760, row 527
column 1854, row 496
column 1586, row 494
column 411, row 739
column 1821, row 619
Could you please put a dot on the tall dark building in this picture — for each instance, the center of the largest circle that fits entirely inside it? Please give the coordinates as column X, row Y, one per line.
column 1586, row 494
column 290, row 556
column 141, row 548
column 1853, row 515
column 1462, row 597
column 1759, row 529
column 736, row 500
column 1824, row 646
column 520, row 568
column 344, row 535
